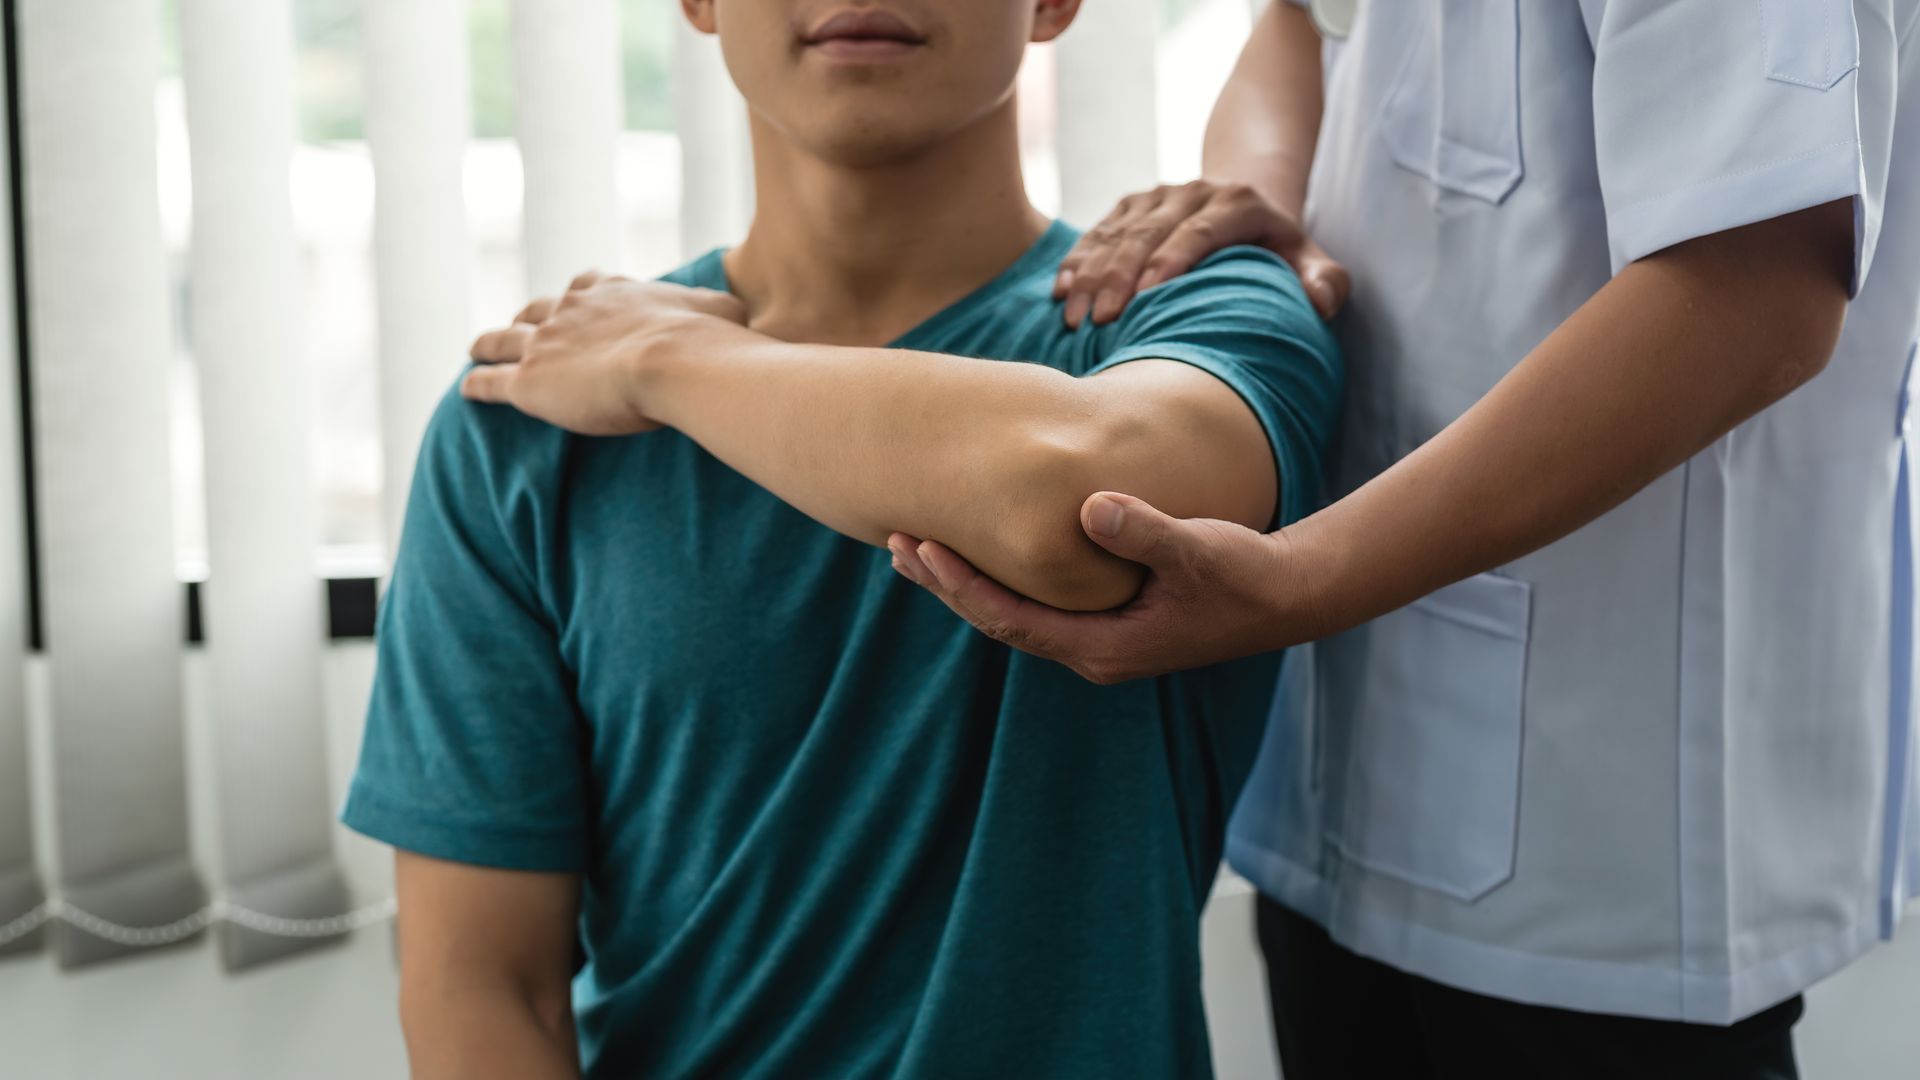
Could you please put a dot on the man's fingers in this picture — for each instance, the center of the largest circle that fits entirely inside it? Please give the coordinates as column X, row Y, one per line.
column 490, row 384
column 720, row 305
column 537, row 312
column 503, row 346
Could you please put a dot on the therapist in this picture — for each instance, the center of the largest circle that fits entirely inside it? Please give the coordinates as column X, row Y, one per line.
column 1609, row 754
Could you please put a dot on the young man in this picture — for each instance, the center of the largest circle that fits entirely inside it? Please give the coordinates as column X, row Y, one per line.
column 658, row 691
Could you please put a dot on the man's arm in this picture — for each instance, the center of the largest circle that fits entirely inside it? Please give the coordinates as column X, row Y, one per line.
column 486, row 962
column 1211, row 378
column 1674, row 352
column 992, row 457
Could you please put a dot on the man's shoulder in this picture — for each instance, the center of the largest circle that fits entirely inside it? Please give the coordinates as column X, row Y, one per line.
column 705, row 272
column 1245, row 289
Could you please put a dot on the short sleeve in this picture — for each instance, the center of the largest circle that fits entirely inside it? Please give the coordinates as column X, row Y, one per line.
column 1711, row 115
column 1242, row 316
column 474, row 746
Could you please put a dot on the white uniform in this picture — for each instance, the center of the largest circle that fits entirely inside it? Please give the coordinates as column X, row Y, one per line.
column 1664, row 767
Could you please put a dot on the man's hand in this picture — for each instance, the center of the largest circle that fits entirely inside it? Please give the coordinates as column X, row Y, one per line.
column 1215, row 591
column 573, row 362
column 1160, row 234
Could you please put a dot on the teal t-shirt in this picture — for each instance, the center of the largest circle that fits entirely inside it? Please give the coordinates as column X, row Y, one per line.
column 825, row 829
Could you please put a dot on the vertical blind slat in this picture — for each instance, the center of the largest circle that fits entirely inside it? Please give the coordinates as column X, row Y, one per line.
column 1105, row 67
column 19, row 883
column 101, row 348
column 419, row 120
column 567, row 92
column 716, row 165
column 262, row 600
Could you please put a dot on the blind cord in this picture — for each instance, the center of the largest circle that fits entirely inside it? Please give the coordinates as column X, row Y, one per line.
column 148, row 937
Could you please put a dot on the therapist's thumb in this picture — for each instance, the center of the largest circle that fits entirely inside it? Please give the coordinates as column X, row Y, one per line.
column 1134, row 530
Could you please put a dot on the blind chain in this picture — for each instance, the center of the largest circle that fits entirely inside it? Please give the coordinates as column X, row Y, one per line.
column 147, row 937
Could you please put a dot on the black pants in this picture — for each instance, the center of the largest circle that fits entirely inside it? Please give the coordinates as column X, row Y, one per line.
column 1340, row 1016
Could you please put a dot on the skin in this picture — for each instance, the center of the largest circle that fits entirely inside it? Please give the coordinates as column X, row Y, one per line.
column 1670, row 355
column 486, row 966
column 886, row 192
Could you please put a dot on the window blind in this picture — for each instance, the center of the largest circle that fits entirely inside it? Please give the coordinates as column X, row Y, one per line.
column 567, row 89
column 20, row 892
column 419, row 121
column 1106, row 78
column 261, row 604
column 101, row 333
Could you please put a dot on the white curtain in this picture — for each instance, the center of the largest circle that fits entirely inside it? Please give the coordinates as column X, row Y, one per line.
column 114, row 768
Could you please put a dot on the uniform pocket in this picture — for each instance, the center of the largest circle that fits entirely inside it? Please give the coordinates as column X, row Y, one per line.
column 1809, row 42
column 1453, row 114
column 1430, row 697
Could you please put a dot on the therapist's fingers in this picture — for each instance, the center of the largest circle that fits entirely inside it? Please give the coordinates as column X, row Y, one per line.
column 991, row 607
column 1327, row 283
column 503, row 346
column 1070, row 283
column 493, row 383
column 1237, row 214
column 1117, row 253
column 995, row 610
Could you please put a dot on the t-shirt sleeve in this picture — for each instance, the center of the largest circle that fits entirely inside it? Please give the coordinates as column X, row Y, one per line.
column 1711, row 115
column 475, row 747
column 1242, row 316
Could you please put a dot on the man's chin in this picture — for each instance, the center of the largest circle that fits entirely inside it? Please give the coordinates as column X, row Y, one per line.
column 869, row 148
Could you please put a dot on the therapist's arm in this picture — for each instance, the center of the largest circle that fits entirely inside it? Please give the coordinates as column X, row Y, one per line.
column 1253, row 187
column 1674, row 352
column 486, row 966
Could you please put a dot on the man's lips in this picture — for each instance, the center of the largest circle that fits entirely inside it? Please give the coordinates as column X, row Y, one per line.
column 864, row 34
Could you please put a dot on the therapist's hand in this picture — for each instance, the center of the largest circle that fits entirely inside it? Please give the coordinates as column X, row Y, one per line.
column 1216, row 591
column 1160, row 234
column 577, row 361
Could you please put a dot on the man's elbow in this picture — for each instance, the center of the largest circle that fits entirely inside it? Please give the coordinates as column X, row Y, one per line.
column 1070, row 572
column 1045, row 554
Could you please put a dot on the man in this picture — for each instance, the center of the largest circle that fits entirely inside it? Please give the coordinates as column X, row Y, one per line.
column 636, row 687
column 1614, row 757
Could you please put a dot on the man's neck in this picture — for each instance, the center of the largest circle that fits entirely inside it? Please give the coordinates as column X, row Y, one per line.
column 860, row 255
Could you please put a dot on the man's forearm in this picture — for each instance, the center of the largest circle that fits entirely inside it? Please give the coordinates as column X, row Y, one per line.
column 1669, row 356
column 1267, row 119
column 991, row 457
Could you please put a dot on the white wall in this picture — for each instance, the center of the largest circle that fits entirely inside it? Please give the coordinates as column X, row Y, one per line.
column 330, row 1014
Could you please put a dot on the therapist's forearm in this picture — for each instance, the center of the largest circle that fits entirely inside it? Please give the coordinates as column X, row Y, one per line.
column 1267, row 119
column 1673, row 353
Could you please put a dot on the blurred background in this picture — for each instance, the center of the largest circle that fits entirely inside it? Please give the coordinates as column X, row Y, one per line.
column 247, row 242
